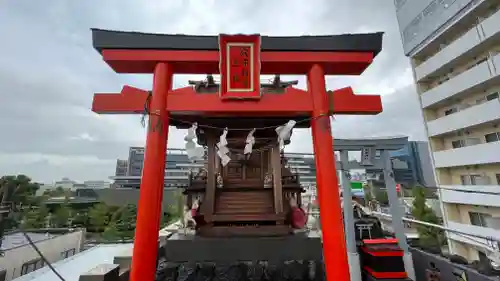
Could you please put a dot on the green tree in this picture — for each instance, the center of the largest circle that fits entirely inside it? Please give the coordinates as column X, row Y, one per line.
column 62, row 215
column 35, row 217
column 128, row 217
column 18, row 192
column 111, row 232
column 381, row 197
column 81, row 219
column 429, row 237
column 368, row 195
column 124, row 221
column 43, row 215
column 99, row 217
column 32, row 220
column 176, row 209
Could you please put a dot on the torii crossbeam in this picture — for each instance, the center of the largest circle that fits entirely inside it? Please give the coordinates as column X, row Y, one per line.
column 240, row 59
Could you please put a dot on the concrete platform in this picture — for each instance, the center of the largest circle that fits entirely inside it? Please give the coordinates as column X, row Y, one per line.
column 189, row 248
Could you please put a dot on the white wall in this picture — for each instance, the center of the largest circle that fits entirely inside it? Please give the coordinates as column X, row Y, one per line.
column 14, row 259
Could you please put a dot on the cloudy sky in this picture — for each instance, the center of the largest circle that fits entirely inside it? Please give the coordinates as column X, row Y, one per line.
column 49, row 72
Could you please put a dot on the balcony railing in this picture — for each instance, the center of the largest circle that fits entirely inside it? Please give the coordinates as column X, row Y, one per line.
column 482, row 195
column 473, row 39
column 468, row 116
column 475, row 231
column 486, row 153
column 466, row 82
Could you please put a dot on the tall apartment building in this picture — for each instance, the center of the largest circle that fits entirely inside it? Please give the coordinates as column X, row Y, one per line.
column 121, row 167
column 454, row 47
column 177, row 167
column 412, row 166
column 302, row 164
column 135, row 161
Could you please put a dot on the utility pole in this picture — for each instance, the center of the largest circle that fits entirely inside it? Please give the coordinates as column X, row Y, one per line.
column 4, row 212
column 350, row 235
column 397, row 213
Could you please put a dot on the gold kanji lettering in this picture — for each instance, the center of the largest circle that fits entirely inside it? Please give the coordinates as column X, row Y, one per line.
column 244, row 52
column 244, row 72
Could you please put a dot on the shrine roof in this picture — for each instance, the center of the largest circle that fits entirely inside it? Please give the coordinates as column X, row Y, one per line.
column 109, row 39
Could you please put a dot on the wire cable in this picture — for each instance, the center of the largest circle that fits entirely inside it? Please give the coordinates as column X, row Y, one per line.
column 444, row 228
column 465, row 190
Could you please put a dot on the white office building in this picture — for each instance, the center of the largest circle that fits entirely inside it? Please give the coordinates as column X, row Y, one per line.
column 454, row 47
column 96, row 184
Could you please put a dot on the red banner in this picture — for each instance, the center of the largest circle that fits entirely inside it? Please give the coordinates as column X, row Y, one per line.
column 240, row 66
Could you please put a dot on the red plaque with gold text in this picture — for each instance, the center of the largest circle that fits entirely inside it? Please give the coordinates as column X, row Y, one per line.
column 239, row 66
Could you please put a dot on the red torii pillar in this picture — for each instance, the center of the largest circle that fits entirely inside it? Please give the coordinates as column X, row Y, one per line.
column 332, row 223
column 315, row 102
column 151, row 193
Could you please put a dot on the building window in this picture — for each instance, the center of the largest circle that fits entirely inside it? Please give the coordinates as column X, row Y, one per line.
column 458, row 143
column 450, row 111
column 498, row 178
column 492, row 96
column 471, row 179
column 478, row 219
column 3, row 275
column 472, row 141
column 493, row 137
column 68, row 253
column 32, row 266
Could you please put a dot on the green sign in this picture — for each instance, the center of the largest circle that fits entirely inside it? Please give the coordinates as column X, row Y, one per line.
column 356, row 185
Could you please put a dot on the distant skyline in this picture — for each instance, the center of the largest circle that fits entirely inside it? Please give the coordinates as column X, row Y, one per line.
column 51, row 72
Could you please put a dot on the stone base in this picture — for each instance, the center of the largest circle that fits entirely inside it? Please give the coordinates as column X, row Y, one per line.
column 187, row 257
column 251, row 271
column 181, row 248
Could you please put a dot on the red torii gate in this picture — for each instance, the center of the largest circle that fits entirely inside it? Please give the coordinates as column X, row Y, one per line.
column 166, row 55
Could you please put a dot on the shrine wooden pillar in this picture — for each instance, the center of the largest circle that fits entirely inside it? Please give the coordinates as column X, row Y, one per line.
column 277, row 183
column 151, row 191
column 208, row 204
column 334, row 245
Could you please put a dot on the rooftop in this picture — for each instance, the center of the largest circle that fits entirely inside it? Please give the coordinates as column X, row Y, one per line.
column 72, row 267
column 72, row 200
column 17, row 239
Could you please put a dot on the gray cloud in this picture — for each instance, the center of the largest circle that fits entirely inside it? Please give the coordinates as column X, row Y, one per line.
column 49, row 71
column 401, row 117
